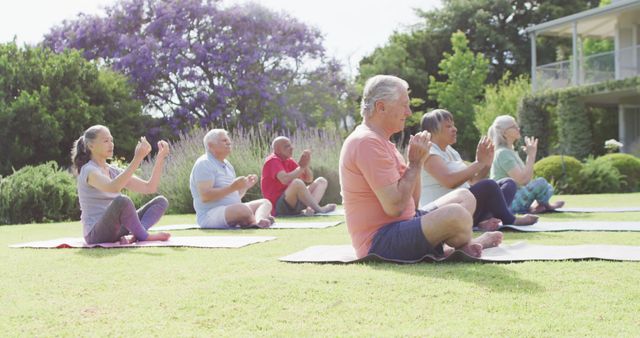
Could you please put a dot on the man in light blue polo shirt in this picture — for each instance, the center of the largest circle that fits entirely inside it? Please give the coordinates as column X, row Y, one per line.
column 217, row 192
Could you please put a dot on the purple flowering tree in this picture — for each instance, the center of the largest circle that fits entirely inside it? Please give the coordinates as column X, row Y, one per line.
column 197, row 62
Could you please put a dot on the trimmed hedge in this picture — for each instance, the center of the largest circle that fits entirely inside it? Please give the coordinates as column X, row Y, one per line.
column 574, row 129
column 563, row 124
column 37, row 194
column 600, row 177
column 563, row 172
column 628, row 166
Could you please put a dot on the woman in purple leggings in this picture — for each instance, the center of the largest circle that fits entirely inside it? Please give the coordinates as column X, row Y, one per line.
column 107, row 215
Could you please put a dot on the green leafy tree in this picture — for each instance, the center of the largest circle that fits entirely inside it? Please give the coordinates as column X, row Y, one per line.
column 502, row 98
column 494, row 28
column 47, row 100
column 466, row 73
column 411, row 56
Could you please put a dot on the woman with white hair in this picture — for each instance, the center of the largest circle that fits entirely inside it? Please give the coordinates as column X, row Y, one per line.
column 533, row 195
column 444, row 171
column 107, row 215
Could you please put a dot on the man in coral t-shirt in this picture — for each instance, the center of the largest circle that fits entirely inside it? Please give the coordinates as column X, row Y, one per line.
column 284, row 182
column 380, row 191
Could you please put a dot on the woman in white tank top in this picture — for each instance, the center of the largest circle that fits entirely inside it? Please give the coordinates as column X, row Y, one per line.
column 445, row 171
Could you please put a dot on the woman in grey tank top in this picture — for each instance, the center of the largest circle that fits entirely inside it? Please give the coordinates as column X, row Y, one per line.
column 107, row 215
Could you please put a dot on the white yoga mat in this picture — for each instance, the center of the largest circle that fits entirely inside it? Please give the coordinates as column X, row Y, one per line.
column 196, row 242
column 517, row 252
column 603, row 209
column 575, row 226
column 281, row 225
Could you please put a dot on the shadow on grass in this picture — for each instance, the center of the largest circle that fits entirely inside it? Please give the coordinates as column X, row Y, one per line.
column 513, row 235
column 493, row 276
column 110, row 252
column 571, row 216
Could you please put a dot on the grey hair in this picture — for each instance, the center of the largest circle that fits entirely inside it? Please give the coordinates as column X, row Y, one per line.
column 432, row 121
column 212, row 136
column 498, row 128
column 380, row 87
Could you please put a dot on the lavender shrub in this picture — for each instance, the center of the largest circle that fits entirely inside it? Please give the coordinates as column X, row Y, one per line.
column 250, row 148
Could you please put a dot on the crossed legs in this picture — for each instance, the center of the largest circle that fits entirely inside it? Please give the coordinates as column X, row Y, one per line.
column 451, row 224
column 252, row 213
column 121, row 221
column 309, row 196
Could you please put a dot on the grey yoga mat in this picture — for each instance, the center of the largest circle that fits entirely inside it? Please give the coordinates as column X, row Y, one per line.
column 598, row 209
column 517, row 252
column 281, row 225
column 575, row 226
column 197, row 242
column 337, row 212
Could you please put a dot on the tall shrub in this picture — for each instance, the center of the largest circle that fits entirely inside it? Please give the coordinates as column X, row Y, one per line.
column 502, row 98
column 465, row 74
column 535, row 118
column 250, row 148
column 574, row 129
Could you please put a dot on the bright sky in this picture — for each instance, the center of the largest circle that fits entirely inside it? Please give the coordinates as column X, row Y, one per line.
column 352, row 28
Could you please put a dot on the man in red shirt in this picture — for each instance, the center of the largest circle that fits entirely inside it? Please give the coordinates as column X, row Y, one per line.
column 284, row 181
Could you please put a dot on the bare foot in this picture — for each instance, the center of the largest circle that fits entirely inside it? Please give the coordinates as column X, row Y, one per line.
column 554, row 205
column 308, row 212
column 489, row 239
column 328, row 208
column 264, row 223
column 447, row 250
column 472, row 249
column 537, row 208
column 160, row 236
column 490, row 224
column 527, row 219
column 128, row 239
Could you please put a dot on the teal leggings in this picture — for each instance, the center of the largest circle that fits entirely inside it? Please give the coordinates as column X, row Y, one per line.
column 537, row 190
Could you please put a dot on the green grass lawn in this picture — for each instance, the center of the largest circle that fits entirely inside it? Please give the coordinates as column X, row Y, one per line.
column 248, row 292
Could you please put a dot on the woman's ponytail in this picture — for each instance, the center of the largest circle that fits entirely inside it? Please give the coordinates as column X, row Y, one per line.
column 80, row 153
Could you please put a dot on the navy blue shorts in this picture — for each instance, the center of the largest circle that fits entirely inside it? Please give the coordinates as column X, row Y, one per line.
column 403, row 240
column 283, row 208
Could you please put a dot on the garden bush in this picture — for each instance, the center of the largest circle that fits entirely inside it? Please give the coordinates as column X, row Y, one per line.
column 562, row 171
column 37, row 194
column 627, row 165
column 598, row 177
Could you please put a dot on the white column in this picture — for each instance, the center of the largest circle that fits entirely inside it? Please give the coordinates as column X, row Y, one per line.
column 621, row 131
column 574, row 62
column 634, row 50
column 534, row 61
column 616, row 51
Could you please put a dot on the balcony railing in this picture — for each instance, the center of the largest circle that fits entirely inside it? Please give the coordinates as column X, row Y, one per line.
column 592, row 69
